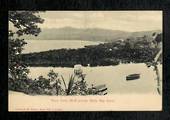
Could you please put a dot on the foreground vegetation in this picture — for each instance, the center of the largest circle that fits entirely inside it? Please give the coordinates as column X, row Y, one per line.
column 51, row 86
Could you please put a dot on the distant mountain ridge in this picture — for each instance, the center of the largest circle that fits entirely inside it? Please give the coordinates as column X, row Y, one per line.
column 90, row 34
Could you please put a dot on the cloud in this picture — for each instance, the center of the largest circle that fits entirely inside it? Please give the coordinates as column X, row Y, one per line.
column 117, row 20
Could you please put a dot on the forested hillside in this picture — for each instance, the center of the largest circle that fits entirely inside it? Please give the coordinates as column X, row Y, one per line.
column 136, row 50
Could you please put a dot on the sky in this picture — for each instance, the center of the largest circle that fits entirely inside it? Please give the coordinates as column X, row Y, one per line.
column 116, row 20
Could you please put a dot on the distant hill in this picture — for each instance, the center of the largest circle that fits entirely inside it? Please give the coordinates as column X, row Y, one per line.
column 90, row 34
column 142, row 33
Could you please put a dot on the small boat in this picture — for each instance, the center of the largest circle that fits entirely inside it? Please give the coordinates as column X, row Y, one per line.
column 100, row 89
column 133, row 76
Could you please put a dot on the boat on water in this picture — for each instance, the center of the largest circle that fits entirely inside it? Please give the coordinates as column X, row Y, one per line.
column 133, row 77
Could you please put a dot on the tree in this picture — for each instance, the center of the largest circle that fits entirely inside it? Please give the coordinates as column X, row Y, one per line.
column 55, row 82
column 24, row 23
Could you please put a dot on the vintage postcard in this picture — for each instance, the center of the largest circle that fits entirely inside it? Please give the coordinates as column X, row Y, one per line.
column 85, row 61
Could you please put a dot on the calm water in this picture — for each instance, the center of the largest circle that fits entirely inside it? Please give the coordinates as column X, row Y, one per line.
column 113, row 76
column 45, row 45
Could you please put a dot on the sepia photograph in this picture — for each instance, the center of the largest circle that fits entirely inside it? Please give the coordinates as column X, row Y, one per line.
column 85, row 60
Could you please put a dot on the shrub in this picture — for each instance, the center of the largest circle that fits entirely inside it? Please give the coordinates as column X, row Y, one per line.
column 40, row 86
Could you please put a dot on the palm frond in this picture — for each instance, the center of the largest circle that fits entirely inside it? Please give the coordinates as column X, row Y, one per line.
column 64, row 82
column 70, row 84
